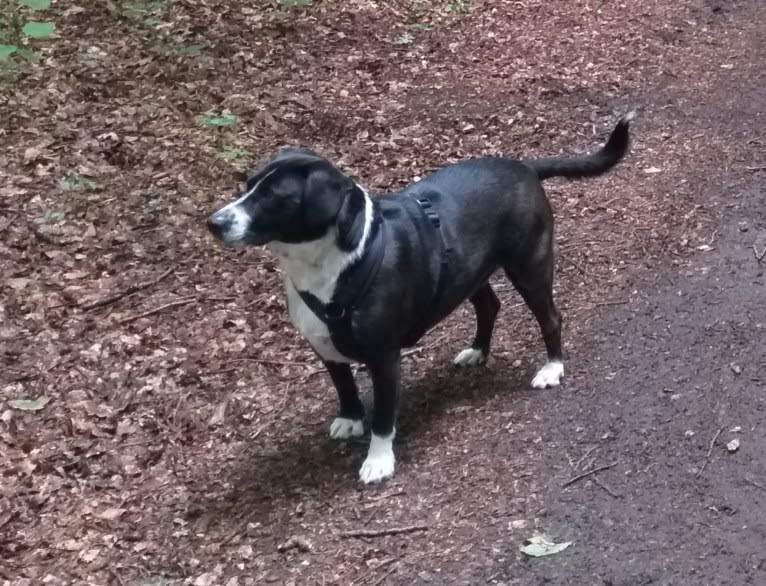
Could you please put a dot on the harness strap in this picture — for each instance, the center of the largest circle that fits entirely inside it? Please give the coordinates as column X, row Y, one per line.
column 426, row 206
column 353, row 284
column 356, row 280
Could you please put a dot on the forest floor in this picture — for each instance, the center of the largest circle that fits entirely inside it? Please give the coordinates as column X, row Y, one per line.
column 177, row 426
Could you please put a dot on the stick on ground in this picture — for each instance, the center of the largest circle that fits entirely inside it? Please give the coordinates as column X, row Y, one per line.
column 178, row 303
column 382, row 532
column 588, row 473
column 129, row 291
column 709, row 451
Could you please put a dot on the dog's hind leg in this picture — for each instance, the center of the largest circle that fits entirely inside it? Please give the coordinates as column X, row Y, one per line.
column 486, row 304
column 349, row 422
column 535, row 284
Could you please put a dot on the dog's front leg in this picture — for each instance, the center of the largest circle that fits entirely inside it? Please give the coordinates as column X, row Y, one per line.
column 385, row 384
column 349, row 422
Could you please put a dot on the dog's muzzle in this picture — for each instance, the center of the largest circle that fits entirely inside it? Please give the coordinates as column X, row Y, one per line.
column 221, row 223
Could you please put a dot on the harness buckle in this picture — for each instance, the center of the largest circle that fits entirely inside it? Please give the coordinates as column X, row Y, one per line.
column 334, row 311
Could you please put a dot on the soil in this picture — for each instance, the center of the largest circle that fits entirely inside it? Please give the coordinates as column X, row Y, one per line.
column 181, row 432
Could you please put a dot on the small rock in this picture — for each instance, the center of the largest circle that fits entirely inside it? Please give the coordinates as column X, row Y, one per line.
column 736, row 368
column 733, row 445
column 296, row 542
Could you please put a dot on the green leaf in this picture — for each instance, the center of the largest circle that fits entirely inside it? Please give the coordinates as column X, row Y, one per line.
column 220, row 120
column 6, row 51
column 51, row 217
column 26, row 53
column 74, row 182
column 419, row 26
column 233, row 153
column 39, row 30
column 539, row 546
column 29, row 405
column 405, row 39
column 36, row 4
column 295, row 2
column 191, row 49
column 142, row 8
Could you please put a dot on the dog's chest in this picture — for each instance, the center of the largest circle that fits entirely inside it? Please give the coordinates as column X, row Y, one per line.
column 312, row 328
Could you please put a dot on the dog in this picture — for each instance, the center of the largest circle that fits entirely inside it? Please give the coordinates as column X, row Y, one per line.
column 367, row 276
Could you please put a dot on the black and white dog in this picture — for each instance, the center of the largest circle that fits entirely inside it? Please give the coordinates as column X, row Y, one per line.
column 367, row 276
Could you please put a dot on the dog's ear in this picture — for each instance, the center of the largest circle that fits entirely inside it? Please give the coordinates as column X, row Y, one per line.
column 350, row 221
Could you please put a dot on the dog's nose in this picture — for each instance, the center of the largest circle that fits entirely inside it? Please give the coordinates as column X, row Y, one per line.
column 219, row 223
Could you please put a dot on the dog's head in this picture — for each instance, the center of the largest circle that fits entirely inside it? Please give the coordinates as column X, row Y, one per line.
column 296, row 197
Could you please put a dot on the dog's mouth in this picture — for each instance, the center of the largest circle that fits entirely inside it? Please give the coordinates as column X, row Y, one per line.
column 232, row 227
column 240, row 240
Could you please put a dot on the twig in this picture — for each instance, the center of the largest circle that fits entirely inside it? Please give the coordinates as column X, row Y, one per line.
column 9, row 223
column 412, row 351
column 381, row 532
column 754, row 483
column 178, row 303
column 756, row 168
column 274, row 362
column 129, row 291
column 759, row 255
column 585, row 455
column 389, row 495
column 621, row 302
column 363, row 577
column 600, row 484
column 709, row 451
column 588, row 473
column 383, row 577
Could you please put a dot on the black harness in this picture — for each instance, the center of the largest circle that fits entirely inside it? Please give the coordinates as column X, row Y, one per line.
column 355, row 281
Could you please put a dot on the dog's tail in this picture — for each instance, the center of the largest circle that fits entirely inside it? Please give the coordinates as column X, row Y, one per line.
column 590, row 165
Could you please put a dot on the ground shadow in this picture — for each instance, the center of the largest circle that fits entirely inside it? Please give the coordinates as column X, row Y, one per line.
column 268, row 478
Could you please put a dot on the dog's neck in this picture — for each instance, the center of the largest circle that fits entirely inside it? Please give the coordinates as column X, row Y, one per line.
column 315, row 266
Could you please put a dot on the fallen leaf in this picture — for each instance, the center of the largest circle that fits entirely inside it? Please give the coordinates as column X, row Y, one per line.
column 218, row 414
column 28, row 404
column 89, row 555
column 110, row 514
column 18, row 283
column 31, row 154
column 539, row 546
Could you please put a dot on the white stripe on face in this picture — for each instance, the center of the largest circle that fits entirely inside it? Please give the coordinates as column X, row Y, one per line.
column 236, row 217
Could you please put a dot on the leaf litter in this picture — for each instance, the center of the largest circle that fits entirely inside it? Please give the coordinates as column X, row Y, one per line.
column 109, row 174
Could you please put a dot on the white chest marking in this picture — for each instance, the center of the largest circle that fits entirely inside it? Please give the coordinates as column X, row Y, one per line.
column 314, row 267
column 312, row 328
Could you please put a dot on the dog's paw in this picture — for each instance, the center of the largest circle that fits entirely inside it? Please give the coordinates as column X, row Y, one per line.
column 343, row 428
column 380, row 460
column 549, row 375
column 470, row 357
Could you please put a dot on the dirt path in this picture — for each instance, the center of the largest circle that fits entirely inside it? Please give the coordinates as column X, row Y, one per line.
column 185, row 437
column 665, row 380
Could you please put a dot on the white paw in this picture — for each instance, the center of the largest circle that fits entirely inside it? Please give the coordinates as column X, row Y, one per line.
column 549, row 375
column 380, row 459
column 342, row 428
column 470, row 357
